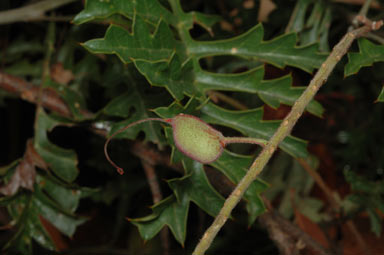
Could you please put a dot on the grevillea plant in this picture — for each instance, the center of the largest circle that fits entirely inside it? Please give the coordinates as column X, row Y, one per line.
column 193, row 137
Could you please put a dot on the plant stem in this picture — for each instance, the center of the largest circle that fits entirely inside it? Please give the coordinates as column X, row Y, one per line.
column 363, row 12
column 119, row 169
column 284, row 130
column 31, row 12
column 364, row 9
column 228, row 140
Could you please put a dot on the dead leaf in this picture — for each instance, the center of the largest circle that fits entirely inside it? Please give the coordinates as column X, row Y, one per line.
column 25, row 172
column 61, row 75
column 226, row 26
column 54, row 233
column 248, row 4
column 234, row 12
column 373, row 244
column 34, row 157
column 266, row 7
column 311, row 228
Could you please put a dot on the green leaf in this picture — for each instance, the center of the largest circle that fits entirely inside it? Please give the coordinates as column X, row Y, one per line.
column 376, row 222
column 361, row 184
column 138, row 45
column 196, row 187
column 380, row 98
column 161, row 59
column 166, row 112
column 369, row 53
column 175, row 76
column 64, row 222
column 27, row 210
column 272, row 92
column 62, row 161
column 280, row 51
column 316, row 27
column 250, row 123
column 151, row 10
column 66, row 198
column 72, row 98
column 235, row 166
column 171, row 212
column 123, row 105
column 297, row 20
column 204, row 20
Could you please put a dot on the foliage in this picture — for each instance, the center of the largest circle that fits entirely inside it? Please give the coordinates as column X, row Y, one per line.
column 158, row 59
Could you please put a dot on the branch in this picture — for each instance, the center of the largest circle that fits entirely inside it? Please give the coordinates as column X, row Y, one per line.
column 286, row 235
column 31, row 12
column 50, row 99
column 284, row 130
column 157, row 196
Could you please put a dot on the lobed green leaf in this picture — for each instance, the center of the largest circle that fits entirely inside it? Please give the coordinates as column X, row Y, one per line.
column 281, row 51
column 151, row 10
column 369, row 54
column 250, row 124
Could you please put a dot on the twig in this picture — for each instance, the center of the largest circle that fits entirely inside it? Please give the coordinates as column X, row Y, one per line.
column 45, row 76
column 284, row 130
column 364, row 9
column 31, row 12
column 286, row 235
column 362, row 13
column 281, row 225
column 320, row 182
column 55, row 18
column 50, row 99
column 375, row 37
column 284, row 242
column 154, row 186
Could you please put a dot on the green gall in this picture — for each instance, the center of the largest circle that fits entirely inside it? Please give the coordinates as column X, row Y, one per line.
column 196, row 139
column 192, row 136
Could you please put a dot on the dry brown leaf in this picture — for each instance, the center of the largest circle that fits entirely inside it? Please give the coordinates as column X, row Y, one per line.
column 24, row 176
column 248, row 4
column 61, row 75
column 226, row 26
column 311, row 228
column 25, row 173
column 373, row 244
column 266, row 7
column 34, row 157
column 54, row 233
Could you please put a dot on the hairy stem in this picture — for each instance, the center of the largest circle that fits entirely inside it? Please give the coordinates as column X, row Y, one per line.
column 284, row 130
column 228, row 140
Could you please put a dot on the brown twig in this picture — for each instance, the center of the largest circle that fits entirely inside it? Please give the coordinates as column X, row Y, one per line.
column 29, row 92
column 320, row 182
column 154, row 186
column 286, row 234
column 157, row 196
column 31, row 12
